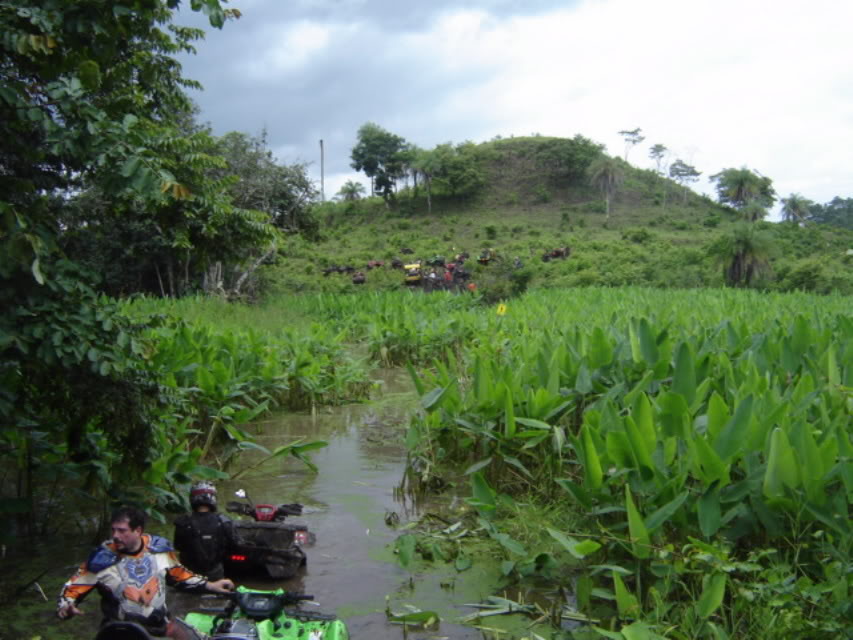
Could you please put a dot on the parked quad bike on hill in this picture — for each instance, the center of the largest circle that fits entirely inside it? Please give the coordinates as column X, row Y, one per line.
column 250, row 615
column 266, row 543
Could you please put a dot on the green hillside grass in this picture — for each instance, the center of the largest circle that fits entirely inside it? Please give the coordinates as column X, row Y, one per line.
column 658, row 234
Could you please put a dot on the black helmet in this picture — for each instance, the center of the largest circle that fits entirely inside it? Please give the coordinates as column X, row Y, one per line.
column 203, row 493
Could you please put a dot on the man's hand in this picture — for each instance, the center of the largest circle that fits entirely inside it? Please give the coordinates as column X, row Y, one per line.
column 221, row 586
column 68, row 611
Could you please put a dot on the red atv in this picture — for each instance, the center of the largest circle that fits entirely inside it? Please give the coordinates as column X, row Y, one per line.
column 266, row 543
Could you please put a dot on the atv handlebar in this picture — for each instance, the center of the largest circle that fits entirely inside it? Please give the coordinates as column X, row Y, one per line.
column 294, row 509
column 239, row 507
column 281, row 511
column 289, row 597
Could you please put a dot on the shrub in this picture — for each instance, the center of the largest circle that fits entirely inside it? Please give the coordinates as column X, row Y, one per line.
column 542, row 194
column 637, row 235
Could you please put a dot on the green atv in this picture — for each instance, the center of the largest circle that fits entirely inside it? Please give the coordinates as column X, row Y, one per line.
column 261, row 615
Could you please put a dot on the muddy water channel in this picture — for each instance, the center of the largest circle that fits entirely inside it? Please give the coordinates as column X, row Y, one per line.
column 351, row 568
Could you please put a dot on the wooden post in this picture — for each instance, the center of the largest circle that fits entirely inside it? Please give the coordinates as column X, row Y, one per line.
column 322, row 173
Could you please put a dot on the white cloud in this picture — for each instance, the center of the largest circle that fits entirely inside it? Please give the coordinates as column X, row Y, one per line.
column 722, row 83
column 288, row 48
column 730, row 82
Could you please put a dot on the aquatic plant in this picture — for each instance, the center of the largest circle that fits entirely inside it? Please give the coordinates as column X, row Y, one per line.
column 684, row 428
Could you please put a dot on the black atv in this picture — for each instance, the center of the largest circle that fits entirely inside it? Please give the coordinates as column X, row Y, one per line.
column 266, row 544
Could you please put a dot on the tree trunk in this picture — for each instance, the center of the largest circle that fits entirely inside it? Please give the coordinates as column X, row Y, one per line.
column 160, row 280
column 186, row 286
column 242, row 279
column 170, row 276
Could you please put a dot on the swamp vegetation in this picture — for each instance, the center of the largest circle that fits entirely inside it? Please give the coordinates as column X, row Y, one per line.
column 626, row 462
column 669, row 464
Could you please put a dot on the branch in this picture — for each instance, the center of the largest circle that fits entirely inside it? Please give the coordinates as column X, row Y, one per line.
column 242, row 279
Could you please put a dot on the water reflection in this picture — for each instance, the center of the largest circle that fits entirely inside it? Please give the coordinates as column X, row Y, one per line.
column 351, row 568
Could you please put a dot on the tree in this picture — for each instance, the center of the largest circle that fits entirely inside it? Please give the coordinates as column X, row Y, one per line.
column 632, row 139
column 88, row 97
column 566, row 159
column 382, row 156
column 796, row 208
column 426, row 165
column 606, row 174
column 351, row 191
column 838, row 212
column 657, row 153
column 683, row 174
column 744, row 255
column 748, row 192
column 168, row 245
column 453, row 171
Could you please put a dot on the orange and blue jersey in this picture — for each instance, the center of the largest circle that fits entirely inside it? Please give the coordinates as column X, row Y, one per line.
column 132, row 586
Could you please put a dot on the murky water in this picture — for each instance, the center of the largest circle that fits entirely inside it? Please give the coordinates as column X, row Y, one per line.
column 351, row 570
column 351, row 567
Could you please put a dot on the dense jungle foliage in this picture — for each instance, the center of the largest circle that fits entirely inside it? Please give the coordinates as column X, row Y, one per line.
column 688, row 451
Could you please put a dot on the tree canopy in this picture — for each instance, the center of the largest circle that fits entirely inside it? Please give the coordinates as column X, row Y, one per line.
column 746, row 191
column 382, row 155
column 606, row 174
column 92, row 101
column 837, row 212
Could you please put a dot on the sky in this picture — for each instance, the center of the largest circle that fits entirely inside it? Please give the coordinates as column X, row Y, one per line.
column 762, row 84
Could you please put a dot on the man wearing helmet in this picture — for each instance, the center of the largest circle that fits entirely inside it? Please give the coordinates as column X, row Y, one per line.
column 204, row 536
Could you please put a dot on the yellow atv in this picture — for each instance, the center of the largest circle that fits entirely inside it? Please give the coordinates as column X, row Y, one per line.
column 414, row 274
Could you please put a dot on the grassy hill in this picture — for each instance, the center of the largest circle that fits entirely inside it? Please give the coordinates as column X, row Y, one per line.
column 534, row 196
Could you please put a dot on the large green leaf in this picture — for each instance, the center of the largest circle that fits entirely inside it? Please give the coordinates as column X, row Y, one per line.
column 708, row 506
column 642, row 454
column 509, row 413
column 712, row 595
column 718, row 415
column 782, row 468
column 664, row 513
column 593, row 475
column 477, row 466
column 405, row 547
column 483, row 496
column 732, row 437
column 432, row 400
column 684, row 377
column 640, row 541
column 648, row 344
column 642, row 415
column 626, row 602
column 579, row 550
column 600, row 352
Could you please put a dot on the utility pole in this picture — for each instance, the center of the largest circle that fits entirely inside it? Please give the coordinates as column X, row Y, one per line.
column 322, row 174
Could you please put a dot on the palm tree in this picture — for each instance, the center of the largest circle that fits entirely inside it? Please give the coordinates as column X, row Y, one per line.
column 795, row 207
column 744, row 255
column 606, row 174
column 747, row 191
column 351, row 191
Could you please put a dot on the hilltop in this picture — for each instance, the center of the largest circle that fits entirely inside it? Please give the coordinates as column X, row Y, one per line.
column 523, row 196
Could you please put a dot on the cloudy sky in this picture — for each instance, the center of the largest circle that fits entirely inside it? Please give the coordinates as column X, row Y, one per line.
column 766, row 84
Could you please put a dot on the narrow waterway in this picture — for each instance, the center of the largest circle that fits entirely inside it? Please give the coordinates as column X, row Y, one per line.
column 352, row 570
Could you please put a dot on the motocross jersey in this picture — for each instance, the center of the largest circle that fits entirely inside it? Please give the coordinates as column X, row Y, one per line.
column 132, row 586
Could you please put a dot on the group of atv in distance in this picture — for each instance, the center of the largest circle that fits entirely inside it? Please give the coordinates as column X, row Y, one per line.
column 437, row 273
